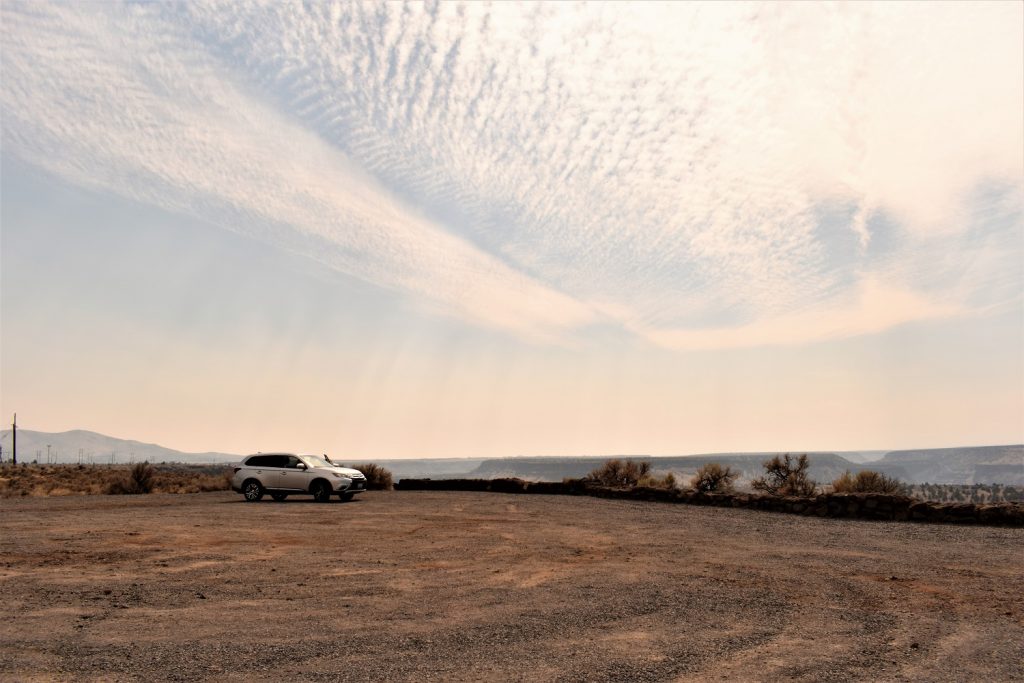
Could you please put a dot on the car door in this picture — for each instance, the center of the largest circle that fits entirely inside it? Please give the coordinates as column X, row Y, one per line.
column 272, row 467
column 293, row 477
column 263, row 467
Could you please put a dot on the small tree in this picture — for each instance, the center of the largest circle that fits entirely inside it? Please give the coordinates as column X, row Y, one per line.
column 620, row 473
column 713, row 478
column 785, row 476
column 866, row 481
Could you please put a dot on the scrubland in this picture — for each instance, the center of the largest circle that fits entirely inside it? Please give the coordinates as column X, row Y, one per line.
column 76, row 480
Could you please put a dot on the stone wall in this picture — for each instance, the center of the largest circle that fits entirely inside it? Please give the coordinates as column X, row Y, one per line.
column 876, row 506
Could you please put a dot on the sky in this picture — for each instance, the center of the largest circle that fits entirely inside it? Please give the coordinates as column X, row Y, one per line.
column 492, row 229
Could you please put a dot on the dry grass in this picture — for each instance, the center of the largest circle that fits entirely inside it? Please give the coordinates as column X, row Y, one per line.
column 79, row 480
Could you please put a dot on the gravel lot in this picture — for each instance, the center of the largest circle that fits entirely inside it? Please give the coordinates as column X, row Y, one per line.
column 415, row 586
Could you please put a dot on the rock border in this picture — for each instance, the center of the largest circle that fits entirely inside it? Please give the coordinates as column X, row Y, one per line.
column 871, row 506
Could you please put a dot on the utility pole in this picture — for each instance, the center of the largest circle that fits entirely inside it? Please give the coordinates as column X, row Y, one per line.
column 14, row 440
column 47, row 454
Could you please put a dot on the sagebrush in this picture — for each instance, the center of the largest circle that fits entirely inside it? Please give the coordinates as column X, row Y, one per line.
column 620, row 473
column 654, row 481
column 866, row 481
column 967, row 493
column 377, row 477
column 713, row 478
column 138, row 481
column 786, row 476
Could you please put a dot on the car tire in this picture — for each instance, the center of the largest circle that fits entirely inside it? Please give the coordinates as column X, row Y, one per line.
column 252, row 490
column 346, row 497
column 278, row 496
column 321, row 491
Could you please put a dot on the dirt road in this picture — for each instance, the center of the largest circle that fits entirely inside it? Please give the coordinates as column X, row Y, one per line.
column 414, row 586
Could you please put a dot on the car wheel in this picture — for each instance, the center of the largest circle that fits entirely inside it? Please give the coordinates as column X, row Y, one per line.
column 253, row 490
column 346, row 496
column 278, row 496
column 321, row 491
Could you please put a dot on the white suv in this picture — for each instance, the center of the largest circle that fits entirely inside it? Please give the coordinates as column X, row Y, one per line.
column 284, row 474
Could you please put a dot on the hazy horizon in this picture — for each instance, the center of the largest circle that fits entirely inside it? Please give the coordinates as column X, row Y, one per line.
column 99, row 456
column 439, row 230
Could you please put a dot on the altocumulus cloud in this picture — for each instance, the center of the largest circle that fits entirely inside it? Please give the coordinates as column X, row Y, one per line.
column 701, row 175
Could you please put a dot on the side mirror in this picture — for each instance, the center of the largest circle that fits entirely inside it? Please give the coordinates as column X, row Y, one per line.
column 302, row 466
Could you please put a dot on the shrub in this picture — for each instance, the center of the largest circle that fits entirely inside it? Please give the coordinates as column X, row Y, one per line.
column 140, row 480
column 666, row 482
column 619, row 473
column 713, row 478
column 785, row 476
column 866, row 481
column 377, row 478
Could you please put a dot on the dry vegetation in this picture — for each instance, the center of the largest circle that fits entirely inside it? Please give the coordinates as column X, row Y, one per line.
column 138, row 481
column 866, row 481
column 713, row 478
column 964, row 493
column 785, row 476
column 78, row 480
column 630, row 473
column 377, row 478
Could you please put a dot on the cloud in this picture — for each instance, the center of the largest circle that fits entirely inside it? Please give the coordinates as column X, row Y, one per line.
column 541, row 167
column 127, row 108
column 875, row 307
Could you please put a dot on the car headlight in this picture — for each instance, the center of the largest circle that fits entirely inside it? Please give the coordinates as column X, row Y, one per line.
column 338, row 476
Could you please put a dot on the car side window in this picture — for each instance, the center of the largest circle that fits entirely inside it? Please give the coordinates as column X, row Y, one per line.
column 293, row 462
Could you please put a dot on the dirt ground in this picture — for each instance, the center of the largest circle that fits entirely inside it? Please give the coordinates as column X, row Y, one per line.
column 417, row 586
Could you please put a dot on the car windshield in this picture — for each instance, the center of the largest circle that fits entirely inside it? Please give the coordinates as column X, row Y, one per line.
column 317, row 461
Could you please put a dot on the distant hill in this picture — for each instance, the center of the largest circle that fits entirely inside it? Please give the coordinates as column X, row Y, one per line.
column 68, row 447
column 973, row 465
column 862, row 456
column 450, row 468
column 962, row 466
